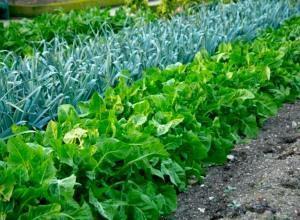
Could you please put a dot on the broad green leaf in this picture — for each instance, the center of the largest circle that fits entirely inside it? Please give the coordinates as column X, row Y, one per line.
column 229, row 75
column 42, row 167
column 158, row 101
column 109, row 152
column 96, row 104
column 142, row 107
column 52, row 130
column 169, row 199
column 245, row 94
column 143, row 206
column 67, row 113
column 47, row 212
column 138, row 120
column 175, row 172
column 109, row 209
column 73, row 209
column 20, row 157
column 164, row 128
column 266, row 107
column 251, row 128
column 6, row 191
column 61, row 189
column 195, row 147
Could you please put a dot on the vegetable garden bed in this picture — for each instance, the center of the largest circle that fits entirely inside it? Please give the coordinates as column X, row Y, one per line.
column 125, row 155
column 114, row 126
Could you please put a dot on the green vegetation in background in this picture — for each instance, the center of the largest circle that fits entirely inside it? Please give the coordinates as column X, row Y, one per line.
column 125, row 156
column 24, row 36
column 36, row 8
column 4, row 12
column 169, row 7
column 136, row 4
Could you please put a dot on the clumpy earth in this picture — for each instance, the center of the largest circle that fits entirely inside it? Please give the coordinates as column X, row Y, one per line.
column 260, row 181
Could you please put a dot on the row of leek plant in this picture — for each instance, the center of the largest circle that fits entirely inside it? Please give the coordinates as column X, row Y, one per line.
column 32, row 88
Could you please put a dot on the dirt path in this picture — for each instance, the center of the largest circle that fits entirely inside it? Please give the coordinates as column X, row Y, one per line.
column 262, row 180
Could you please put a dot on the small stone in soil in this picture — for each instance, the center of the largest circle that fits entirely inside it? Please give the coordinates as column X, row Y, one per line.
column 230, row 157
column 229, row 189
column 260, row 206
column 193, row 181
column 268, row 150
column 291, row 183
column 202, row 210
column 290, row 139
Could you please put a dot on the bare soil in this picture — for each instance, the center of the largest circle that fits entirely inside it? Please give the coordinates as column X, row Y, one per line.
column 260, row 181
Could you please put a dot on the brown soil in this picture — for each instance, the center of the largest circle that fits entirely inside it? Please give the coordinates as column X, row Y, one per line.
column 261, row 181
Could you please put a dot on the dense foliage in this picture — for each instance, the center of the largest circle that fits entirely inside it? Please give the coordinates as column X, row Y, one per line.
column 31, row 89
column 136, row 4
column 125, row 155
column 169, row 7
column 22, row 37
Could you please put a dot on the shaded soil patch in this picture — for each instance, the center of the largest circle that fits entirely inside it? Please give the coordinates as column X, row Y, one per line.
column 261, row 181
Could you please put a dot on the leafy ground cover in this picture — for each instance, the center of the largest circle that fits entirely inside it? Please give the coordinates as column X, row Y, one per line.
column 124, row 156
column 31, row 89
column 23, row 37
